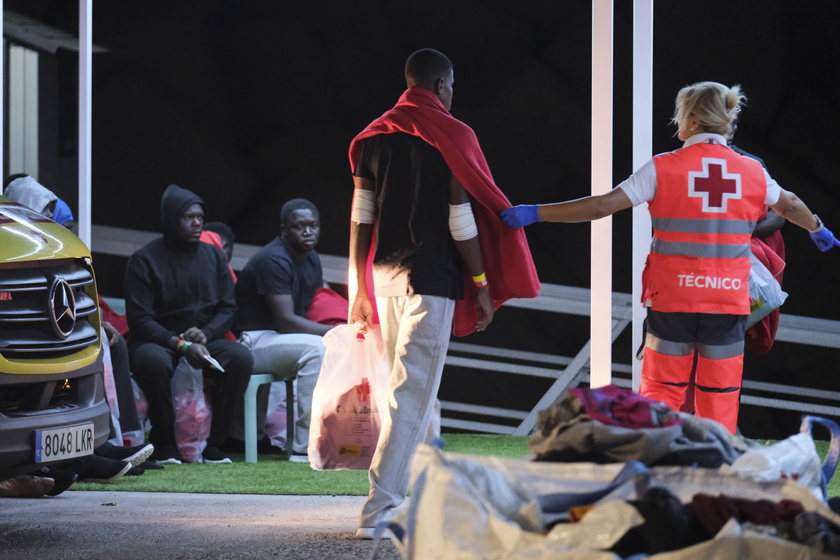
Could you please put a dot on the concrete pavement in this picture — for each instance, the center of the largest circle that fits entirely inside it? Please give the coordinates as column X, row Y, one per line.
column 156, row 526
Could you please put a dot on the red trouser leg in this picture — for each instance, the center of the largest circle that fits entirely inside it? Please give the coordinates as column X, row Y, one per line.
column 665, row 377
column 718, row 389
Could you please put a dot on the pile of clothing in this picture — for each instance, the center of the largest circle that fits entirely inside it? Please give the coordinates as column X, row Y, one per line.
column 615, row 475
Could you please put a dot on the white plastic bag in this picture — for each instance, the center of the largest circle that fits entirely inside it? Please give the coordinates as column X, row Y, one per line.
column 795, row 458
column 192, row 411
column 765, row 292
column 138, row 436
column 111, row 390
column 350, row 401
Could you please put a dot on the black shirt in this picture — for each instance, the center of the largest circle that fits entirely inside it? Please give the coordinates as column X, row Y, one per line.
column 411, row 183
column 274, row 271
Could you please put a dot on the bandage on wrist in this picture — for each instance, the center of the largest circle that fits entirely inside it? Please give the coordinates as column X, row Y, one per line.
column 363, row 210
column 480, row 281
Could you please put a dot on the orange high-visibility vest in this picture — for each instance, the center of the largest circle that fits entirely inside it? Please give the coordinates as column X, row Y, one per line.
column 708, row 199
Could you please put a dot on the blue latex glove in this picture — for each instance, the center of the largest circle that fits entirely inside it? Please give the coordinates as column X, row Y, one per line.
column 824, row 239
column 521, row 216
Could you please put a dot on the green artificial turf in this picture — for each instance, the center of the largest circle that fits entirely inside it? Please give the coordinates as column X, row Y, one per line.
column 273, row 474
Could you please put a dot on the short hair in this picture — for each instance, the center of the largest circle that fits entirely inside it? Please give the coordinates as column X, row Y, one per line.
column 424, row 67
column 296, row 204
column 715, row 105
column 224, row 230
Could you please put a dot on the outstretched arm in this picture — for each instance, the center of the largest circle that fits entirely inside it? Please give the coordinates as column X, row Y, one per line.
column 791, row 208
column 583, row 209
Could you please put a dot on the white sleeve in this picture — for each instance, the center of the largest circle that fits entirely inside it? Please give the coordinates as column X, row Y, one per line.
column 641, row 186
column 774, row 191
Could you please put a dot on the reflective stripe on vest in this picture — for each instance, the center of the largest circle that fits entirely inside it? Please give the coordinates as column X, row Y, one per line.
column 701, row 250
column 708, row 199
column 678, row 225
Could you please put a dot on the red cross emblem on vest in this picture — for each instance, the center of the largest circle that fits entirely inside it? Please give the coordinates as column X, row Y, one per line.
column 715, row 185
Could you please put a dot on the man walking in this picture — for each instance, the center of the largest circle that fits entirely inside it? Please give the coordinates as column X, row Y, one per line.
column 426, row 206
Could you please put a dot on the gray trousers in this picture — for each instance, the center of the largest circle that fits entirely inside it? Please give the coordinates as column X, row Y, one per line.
column 285, row 354
column 415, row 332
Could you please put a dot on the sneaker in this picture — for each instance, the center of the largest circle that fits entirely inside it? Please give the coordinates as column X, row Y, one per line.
column 134, row 455
column 296, row 457
column 365, row 533
column 167, row 455
column 150, row 466
column 94, row 468
column 368, row 533
column 135, row 471
column 213, row 455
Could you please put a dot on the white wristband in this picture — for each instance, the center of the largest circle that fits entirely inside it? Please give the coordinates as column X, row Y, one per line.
column 462, row 222
column 364, row 207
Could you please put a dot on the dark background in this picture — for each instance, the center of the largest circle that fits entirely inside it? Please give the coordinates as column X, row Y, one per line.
column 252, row 102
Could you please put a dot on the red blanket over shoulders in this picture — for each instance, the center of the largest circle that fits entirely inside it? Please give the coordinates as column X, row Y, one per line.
column 507, row 258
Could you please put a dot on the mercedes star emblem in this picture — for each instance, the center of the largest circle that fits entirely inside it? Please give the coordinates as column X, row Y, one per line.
column 62, row 306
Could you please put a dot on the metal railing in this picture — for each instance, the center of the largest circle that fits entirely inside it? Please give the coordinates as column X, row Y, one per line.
column 564, row 371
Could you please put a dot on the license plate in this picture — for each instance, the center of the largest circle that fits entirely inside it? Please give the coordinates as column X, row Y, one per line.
column 63, row 443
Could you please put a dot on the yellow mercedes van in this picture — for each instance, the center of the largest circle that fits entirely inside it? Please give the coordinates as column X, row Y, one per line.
column 52, row 395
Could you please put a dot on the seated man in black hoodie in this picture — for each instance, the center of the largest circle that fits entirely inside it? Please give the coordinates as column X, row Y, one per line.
column 179, row 301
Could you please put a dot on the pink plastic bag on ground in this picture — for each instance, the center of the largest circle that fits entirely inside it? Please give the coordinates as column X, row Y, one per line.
column 349, row 404
column 192, row 412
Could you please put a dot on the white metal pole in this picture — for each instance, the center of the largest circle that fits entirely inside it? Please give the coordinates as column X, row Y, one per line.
column 600, row 365
column 85, row 86
column 642, row 152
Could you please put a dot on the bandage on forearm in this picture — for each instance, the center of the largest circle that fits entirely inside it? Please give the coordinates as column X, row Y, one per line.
column 462, row 222
column 364, row 207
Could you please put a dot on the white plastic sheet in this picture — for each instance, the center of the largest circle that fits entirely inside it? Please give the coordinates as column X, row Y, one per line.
column 468, row 507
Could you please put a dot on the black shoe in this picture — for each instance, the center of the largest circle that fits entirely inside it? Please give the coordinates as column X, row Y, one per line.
column 134, row 455
column 94, row 468
column 213, row 455
column 135, row 471
column 265, row 446
column 151, row 466
column 233, row 445
column 63, row 479
column 167, row 455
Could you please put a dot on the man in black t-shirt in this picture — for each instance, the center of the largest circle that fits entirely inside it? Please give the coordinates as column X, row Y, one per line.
column 273, row 292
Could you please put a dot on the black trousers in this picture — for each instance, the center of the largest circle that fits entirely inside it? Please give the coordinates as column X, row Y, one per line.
column 154, row 365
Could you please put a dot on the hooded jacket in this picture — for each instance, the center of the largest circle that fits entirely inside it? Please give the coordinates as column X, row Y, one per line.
column 172, row 285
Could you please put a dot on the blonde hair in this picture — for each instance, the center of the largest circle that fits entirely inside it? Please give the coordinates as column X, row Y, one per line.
column 715, row 105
